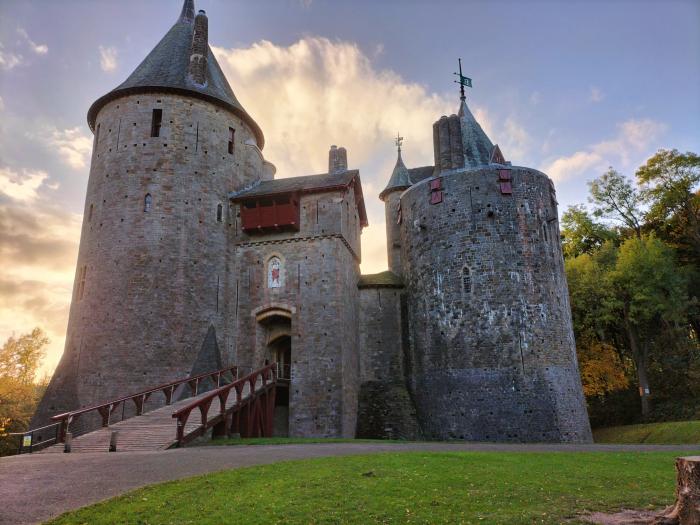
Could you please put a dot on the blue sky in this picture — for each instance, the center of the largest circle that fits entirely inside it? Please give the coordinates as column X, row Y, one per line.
column 569, row 87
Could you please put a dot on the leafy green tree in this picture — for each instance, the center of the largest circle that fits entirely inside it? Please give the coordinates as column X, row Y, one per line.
column 650, row 298
column 581, row 233
column 20, row 359
column 614, row 197
column 669, row 180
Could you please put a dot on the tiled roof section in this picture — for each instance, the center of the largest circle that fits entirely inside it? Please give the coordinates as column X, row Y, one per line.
column 165, row 69
column 386, row 279
column 419, row 174
column 399, row 180
column 476, row 144
column 308, row 184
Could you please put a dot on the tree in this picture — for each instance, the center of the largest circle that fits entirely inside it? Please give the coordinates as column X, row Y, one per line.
column 20, row 358
column 669, row 180
column 580, row 233
column 615, row 198
column 650, row 297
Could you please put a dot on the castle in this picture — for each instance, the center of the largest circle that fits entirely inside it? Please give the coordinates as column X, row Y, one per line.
column 193, row 256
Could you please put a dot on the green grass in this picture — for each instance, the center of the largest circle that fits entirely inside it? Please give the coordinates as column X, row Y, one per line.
column 416, row 487
column 289, row 441
column 673, row 433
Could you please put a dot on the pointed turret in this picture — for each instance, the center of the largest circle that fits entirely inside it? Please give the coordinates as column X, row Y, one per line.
column 477, row 146
column 182, row 63
column 400, row 178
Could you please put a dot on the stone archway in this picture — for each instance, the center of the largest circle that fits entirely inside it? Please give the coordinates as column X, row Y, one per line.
column 276, row 323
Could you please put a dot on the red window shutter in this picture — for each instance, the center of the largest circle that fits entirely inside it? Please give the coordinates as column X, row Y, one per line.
column 436, row 197
column 435, row 184
column 506, row 188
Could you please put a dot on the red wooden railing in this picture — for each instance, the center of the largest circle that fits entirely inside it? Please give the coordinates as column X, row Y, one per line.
column 106, row 410
column 258, row 406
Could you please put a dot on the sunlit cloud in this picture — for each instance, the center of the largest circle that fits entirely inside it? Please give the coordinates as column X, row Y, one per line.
column 38, row 249
column 108, row 58
column 634, row 137
column 9, row 60
column 73, row 146
column 21, row 185
column 39, row 49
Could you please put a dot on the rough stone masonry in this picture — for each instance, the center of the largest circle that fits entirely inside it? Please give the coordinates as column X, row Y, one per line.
column 194, row 256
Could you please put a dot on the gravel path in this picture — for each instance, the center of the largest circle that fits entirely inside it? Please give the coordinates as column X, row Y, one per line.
column 34, row 488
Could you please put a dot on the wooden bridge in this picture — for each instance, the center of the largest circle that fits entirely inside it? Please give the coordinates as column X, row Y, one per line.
column 235, row 405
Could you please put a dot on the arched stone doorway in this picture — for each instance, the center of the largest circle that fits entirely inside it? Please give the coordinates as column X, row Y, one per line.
column 276, row 324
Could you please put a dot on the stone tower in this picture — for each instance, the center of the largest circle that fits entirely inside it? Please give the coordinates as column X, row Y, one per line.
column 170, row 144
column 391, row 195
column 490, row 340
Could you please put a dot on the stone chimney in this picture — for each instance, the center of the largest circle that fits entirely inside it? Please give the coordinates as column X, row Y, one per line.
column 447, row 142
column 337, row 160
column 200, row 49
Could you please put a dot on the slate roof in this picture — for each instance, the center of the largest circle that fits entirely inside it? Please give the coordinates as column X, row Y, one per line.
column 419, row 174
column 477, row 145
column 400, row 178
column 165, row 69
column 387, row 279
column 307, row 184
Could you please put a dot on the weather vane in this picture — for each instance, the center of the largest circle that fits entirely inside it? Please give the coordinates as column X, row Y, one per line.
column 463, row 81
column 398, row 141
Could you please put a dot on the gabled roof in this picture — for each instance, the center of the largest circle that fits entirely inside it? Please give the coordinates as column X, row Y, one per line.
column 323, row 182
column 165, row 70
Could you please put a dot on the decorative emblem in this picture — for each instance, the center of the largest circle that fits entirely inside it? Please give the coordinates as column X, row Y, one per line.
column 274, row 273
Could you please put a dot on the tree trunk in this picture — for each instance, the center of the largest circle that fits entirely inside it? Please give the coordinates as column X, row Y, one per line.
column 640, row 360
column 686, row 511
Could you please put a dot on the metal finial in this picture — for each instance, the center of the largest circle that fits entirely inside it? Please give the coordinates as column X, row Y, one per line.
column 463, row 81
column 398, row 141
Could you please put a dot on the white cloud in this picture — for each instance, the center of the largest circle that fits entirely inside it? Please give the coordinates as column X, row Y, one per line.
column 108, row 58
column 633, row 138
column 73, row 145
column 596, row 95
column 39, row 49
column 9, row 60
column 21, row 185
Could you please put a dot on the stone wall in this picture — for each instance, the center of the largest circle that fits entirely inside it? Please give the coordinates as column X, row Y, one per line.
column 491, row 339
column 319, row 274
column 386, row 409
column 151, row 275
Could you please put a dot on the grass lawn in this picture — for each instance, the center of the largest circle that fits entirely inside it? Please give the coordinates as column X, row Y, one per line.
column 416, row 487
column 674, row 433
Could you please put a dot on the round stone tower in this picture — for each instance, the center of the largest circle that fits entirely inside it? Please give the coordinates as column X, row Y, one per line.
column 491, row 341
column 391, row 195
column 170, row 144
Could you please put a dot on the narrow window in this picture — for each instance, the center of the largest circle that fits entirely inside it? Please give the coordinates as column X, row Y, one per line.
column 231, row 135
column 466, row 280
column 156, row 122
column 219, row 213
column 81, row 282
column 544, row 232
column 92, row 206
column 97, row 135
column 147, row 202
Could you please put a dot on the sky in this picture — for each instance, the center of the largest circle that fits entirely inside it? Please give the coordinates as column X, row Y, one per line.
column 567, row 87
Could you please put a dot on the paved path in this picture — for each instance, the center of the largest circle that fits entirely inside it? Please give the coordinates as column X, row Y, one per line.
column 34, row 488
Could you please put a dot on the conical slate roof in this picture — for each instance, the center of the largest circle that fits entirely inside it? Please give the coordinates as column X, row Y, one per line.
column 476, row 145
column 166, row 69
column 400, row 178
